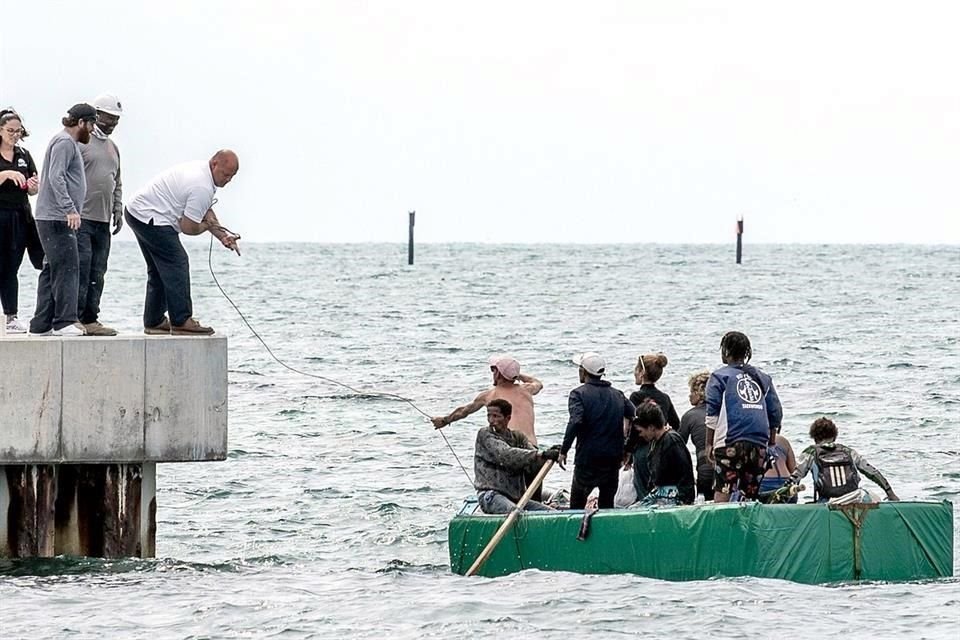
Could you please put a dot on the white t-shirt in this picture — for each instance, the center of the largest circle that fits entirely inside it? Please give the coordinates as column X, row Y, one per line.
column 184, row 190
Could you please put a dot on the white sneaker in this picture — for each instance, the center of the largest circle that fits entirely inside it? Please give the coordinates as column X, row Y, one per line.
column 48, row 332
column 70, row 330
column 15, row 326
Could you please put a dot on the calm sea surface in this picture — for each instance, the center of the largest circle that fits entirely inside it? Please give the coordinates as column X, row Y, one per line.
column 329, row 517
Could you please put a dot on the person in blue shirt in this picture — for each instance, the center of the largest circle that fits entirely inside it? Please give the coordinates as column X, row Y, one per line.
column 743, row 418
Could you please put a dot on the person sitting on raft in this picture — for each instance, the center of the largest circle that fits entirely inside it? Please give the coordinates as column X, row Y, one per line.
column 671, row 472
column 501, row 460
column 834, row 465
column 781, row 462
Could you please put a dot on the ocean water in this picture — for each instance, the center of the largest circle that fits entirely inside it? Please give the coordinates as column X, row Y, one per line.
column 329, row 517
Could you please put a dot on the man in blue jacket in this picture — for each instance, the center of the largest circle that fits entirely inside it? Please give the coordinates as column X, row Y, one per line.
column 743, row 418
column 599, row 419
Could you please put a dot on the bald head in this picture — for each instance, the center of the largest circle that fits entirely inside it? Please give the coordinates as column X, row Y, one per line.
column 223, row 166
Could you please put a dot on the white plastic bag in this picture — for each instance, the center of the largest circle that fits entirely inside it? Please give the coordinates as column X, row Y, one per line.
column 626, row 493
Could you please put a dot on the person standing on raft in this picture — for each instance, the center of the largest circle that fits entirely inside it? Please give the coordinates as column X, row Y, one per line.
column 743, row 418
column 599, row 417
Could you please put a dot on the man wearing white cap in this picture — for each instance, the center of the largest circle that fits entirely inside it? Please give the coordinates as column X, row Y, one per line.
column 599, row 417
column 103, row 204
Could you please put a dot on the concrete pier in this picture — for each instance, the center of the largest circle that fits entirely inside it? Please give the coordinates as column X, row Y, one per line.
column 84, row 422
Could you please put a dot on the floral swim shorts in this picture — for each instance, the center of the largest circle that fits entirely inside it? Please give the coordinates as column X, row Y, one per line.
column 739, row 467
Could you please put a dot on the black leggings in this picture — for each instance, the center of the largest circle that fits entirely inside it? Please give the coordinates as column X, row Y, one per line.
column 13, row 243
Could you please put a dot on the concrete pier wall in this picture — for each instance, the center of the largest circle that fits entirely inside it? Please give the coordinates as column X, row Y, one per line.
column 83, row 423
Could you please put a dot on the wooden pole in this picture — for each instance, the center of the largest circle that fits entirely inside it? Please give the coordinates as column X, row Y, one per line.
column 508, row 523
column 739, row 238
column 413, row 215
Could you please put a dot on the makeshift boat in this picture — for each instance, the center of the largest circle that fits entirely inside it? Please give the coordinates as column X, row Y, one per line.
column 808, row 543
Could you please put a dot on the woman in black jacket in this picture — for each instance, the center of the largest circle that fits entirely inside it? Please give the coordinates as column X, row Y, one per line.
column 647, row 372
column 18, row 179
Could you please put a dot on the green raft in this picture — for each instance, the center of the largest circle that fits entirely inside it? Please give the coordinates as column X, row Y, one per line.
column 809, row 543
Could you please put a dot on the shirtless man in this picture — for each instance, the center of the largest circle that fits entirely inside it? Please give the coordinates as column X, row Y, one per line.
column 512, row 386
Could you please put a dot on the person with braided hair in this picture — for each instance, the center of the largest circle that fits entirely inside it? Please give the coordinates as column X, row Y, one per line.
column 743, row 418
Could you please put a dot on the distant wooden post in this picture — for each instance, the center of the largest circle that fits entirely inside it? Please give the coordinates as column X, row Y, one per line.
column 739, row 238
column 413, row 215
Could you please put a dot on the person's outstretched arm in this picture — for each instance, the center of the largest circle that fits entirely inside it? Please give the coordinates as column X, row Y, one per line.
column 873, row 473
column 460, row 413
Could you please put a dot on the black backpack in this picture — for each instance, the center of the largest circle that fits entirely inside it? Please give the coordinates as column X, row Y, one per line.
column 837, row 473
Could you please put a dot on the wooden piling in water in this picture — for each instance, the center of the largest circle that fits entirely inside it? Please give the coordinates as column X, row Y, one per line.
column 413, row 215
column 739, row 238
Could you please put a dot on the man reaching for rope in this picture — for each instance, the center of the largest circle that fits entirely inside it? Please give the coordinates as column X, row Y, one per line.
column 502, row 460
column 514, row 387
column 178, row 200
column 511, row 385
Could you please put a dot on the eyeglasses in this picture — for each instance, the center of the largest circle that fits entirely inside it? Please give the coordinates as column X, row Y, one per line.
column 13, row 132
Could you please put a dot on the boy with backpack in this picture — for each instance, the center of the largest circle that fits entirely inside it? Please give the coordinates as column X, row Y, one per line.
column 835, row 466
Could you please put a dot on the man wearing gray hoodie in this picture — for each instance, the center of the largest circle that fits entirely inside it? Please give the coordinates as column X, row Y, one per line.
column 59, row 202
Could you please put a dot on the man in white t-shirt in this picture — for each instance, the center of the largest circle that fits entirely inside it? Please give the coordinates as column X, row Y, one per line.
column 178, row 200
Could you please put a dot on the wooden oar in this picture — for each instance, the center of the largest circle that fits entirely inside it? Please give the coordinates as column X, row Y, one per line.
column 505, row 527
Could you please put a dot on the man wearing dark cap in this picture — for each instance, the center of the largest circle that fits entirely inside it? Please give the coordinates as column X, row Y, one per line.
column 59, row 203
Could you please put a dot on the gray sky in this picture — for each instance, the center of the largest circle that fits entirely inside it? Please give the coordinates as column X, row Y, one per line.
column 523, row 121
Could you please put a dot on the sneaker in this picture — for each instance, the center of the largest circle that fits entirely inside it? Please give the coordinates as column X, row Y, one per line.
column 40, row 334
column 96, row 329
column 162, row 329
column 15, row 326
column 191, row 328
column 71, row 330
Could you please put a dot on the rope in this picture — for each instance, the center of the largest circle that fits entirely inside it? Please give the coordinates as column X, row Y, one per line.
column 358, row 392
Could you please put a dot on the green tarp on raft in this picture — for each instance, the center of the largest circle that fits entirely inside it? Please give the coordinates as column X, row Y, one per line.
column 805, row 543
